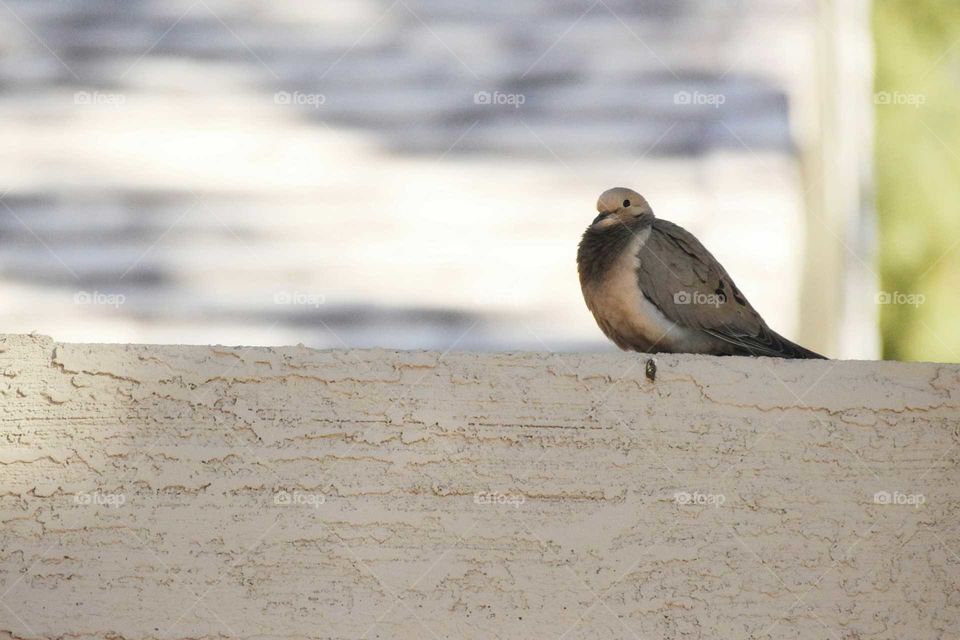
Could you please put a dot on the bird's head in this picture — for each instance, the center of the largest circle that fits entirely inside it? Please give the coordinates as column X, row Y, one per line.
column 619, row 206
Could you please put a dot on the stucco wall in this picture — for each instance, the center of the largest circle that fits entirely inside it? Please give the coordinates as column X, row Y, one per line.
column 175, row 492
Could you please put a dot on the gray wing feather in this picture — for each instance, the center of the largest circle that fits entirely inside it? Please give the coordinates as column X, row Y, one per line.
column 689, row 286
column 678, row 275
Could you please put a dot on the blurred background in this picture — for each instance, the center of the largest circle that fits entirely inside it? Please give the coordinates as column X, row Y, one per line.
column 417, row 173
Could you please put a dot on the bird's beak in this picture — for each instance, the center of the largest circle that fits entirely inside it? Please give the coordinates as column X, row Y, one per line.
column 603, row 214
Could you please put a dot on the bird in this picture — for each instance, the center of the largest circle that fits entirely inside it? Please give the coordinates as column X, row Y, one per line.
column 653, row 287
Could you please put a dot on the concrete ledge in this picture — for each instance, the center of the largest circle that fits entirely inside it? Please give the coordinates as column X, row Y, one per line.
column 186, row 492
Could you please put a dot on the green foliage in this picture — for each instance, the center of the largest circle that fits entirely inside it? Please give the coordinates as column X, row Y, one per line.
column 918, row 175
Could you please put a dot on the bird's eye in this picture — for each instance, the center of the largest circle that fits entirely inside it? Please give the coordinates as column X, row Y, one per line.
column 626, row 203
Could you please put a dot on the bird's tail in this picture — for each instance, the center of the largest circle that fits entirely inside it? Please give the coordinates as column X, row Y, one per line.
column 793, row 350
column 766, row 342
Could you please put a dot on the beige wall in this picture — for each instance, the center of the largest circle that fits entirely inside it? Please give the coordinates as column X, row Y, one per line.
column 175, row 492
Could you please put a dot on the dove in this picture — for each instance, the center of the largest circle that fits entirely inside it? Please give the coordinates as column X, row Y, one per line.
column 653, row 287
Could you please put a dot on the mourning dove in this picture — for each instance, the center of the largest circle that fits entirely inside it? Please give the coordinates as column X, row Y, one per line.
column 653, row 287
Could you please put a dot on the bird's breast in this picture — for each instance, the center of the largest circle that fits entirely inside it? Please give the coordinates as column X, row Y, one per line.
column 624, row 314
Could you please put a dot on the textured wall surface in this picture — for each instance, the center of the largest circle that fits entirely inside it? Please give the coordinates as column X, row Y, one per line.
column 186, row 492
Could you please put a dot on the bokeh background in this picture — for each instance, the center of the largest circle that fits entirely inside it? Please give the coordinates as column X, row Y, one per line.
column 918, row 175
column 417, row 173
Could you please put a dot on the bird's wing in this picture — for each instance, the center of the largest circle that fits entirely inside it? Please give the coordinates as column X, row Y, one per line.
column 692, row 289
